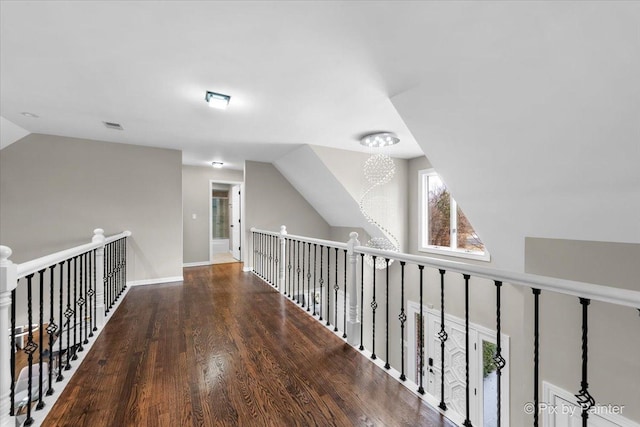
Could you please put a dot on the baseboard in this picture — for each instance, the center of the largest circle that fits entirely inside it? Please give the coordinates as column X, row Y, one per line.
column 155, row 281
column 196, row 264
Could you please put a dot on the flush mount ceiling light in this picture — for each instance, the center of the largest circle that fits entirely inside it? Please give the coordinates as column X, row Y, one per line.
column 217, row 100
column 379, row 139
column 30, row 115
column 217, row 165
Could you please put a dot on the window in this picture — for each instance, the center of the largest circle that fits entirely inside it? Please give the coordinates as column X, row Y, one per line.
column 444, row 227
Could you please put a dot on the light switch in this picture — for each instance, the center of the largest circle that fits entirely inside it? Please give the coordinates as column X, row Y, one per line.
column 193, row 216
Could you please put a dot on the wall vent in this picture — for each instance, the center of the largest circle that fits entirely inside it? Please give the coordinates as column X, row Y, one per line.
column 112, row 125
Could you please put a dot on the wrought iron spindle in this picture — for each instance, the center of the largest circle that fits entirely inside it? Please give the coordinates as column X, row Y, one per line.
column 276, row 244
column 335, row 301
column 94, row 294
column 60, row 377
column 585, row 400
column 443, row 336
column 40, row 404
column 107, row 278
column 361, row 302
column 421, row 337
column 303, row 258
column 68, row 313
column 86, row 314
column 386, row 326
column 51, row 329
column 29, row 349
column 536, row 354
column 374, row 306
column 298, row 270
column 403, row 318
column 308, row 275
column 271, row 261
column 81, row 302
column 498, row 360
column 75, row 308
column 321, row 282
column 12, row 389
column 467, row 420
column 328, row 284
column 344, row 300
column 289, row 257
column 315, row 256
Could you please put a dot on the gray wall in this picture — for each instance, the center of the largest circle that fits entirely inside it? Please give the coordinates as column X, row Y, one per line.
column 271, row 201
column 614, row 365
column 195, row 200
column 55, row 190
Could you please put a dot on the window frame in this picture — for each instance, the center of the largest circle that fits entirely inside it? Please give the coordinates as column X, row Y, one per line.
column 423, row 224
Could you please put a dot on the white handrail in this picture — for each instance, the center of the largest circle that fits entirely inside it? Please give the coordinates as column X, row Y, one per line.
column 29, row 267
column 597, row 292
column 305, row 239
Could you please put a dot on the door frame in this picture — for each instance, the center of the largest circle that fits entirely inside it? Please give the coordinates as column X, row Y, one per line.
column 477, row 334
column 232, row 183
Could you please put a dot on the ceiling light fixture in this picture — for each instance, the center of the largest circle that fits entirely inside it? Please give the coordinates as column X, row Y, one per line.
column 379, row 139
column 217, row 100
column 217, row 165
column 30, row 115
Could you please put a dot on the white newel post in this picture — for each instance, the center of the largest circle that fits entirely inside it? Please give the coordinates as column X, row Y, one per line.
column 98, row 237
column 283, row 256
column 8, row 282
column 353, row 324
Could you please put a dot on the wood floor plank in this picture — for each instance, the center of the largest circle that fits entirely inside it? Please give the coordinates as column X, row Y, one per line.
column 225, row 349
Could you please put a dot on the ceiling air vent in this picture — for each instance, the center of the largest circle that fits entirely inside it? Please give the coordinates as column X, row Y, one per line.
column 112, row 125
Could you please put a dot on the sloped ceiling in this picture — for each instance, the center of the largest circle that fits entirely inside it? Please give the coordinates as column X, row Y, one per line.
column 541, row 137
column 10, row 132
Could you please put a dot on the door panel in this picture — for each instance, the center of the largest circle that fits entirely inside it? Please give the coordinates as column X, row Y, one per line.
column 235, row 221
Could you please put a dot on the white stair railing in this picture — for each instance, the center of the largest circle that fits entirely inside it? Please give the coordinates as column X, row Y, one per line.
column 64, row 296
column 306, row 269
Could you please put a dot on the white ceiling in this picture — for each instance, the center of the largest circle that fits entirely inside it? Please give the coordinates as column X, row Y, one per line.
column 298, row 73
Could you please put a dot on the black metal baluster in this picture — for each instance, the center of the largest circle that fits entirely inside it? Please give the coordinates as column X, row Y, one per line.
column 386, row 327
column 536, row 353
column 344, row 300
column 68, row 313
column 29, row 349
column 298, row 270
column 315, row 257
column 87, row 313
column 498, row 360
column 321, row 282
column 308, row 275
column 421, row 337
column 12, row 389
column 81, row 302
column 271, row 258
column 361, row 302
column 51, row 329
column 40, row 404
column 75, row 308
column 585, row 400
column 60, row 377
column 335, row 302
column 107, row 278
column 374, row 306
column 289, row 257
column 276, row 244
column 403, row 318
column 442, row 335
column 95, row 294
column 467, row 421
column 302, row 302
column 328, row 284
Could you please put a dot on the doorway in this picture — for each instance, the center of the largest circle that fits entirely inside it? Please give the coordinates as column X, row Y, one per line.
column 482, row 373
column 225, row 224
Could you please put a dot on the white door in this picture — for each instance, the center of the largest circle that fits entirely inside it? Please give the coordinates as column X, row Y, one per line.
column 454, row 362
column 235, row 221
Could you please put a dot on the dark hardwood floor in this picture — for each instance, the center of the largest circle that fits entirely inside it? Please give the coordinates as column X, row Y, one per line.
column 226, row 349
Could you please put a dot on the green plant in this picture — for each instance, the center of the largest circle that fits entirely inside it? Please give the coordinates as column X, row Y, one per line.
column 488, row 351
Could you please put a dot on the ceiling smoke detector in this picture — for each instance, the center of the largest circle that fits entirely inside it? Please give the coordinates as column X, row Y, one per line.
column 112, row 125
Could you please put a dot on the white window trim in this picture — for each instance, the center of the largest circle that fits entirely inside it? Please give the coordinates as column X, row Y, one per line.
column 423, row 231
